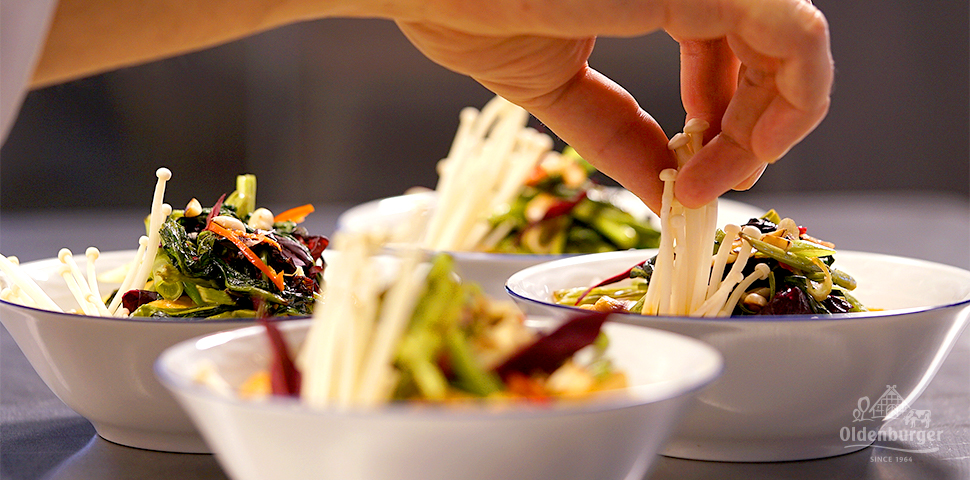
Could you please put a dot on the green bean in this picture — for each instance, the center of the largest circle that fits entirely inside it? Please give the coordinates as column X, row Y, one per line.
column 809, row 249
column 244, row 197
column 192, row 292
column 628, row 292
column 772, row 216
column 469, row 374
column 801, row 262
column 437, row 309
column 857, row 306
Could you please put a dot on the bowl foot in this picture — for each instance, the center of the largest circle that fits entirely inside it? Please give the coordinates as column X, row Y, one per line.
column 175, row 442
column 778, row 450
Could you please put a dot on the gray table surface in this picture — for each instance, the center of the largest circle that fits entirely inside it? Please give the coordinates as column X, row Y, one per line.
column 41, row 438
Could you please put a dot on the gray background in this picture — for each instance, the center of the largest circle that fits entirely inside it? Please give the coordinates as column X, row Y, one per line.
column 347, row 110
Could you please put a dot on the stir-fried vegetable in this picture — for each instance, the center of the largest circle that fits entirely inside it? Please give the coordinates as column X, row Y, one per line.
column 216, row 263
column 430, row 337
column 800, row 279
column 503, row 188
column 768, row 266
column 561, row 210
column 200, row 262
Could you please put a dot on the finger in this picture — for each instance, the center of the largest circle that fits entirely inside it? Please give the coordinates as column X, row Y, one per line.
column 781, row 97
column 720, row 166
column 727, row 161
column 749, row 182
column 609, row 129
column 708, row 79
column 801, row 66
column 550, row 78
column 755, row 93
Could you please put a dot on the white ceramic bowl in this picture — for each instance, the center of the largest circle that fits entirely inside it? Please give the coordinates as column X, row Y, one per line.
column 101, row 367
column 491, row 270
column 610, row 437
column 797, row 387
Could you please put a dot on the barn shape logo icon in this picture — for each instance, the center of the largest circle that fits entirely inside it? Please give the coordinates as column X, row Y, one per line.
column 909, row 425
column 886, row 407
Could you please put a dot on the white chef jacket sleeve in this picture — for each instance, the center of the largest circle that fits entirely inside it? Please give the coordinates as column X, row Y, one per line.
column 23, row 30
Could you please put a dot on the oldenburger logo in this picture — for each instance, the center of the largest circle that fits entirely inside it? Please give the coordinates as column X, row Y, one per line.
column 889, row 406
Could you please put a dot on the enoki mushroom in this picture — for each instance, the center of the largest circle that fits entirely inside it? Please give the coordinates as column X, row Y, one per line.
column 687, row 279
column 23, row 290
column 491, row 158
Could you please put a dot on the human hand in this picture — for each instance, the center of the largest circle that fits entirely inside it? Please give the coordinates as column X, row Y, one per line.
column 533, row 53
column 759, row 71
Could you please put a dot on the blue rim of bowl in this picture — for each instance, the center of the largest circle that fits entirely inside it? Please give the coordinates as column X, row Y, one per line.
column 193, row 320
column 814, row 318
column 486, row 256
column 754, row 318
column 524, row 257
column 593, row 404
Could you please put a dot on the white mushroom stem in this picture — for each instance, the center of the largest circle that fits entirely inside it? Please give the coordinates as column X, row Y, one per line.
column 72, row 284
column 744, row 252
column 713, row 304
column 129, row 277
column 466, row 119
column 658, row 293
column 720, row 260
column 693, row 235
column 476, row 177
column 348, row 356
column 695, row 128
column 316, row 358
column 330, row 344
column 531, row 146
column 446, row 169
column 378, row 375
column 67, row 258
column 359, row 326
column 26, row 284
column 84, row 289
column 687, row 278
column 449, row 169
column 158, row 214
column 492, row 156
column 679, row 145
column 496, row 235
column 702, row 224
column 760, row 272
column 14, row 294
column 92, row 255
column 680, row 280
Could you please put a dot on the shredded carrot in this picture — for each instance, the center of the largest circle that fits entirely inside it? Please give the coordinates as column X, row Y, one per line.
column 277, row 278
column 537, row 175
column 295, row 214
column 260, row 238
column 525, row 387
